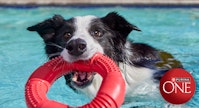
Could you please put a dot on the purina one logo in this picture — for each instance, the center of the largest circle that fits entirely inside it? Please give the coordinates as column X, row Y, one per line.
column 177, row 86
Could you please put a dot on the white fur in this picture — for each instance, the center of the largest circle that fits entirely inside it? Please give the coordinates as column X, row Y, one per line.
column 138, row 79
column 82, row 24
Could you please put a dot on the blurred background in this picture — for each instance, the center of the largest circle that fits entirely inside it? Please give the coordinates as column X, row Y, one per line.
column 169, row 25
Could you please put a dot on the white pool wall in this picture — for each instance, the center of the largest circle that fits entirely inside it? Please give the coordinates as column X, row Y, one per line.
column 65, row 2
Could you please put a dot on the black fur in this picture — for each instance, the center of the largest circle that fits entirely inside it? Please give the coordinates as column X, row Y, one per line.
column 52, row 31
column 115, row 30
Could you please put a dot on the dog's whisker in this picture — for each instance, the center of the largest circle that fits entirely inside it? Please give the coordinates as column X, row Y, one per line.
column 108, row 35
column 53, row 44
column 54, row 54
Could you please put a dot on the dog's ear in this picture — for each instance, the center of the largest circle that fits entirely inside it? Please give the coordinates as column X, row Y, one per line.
column 47, row 28
column 119, row 24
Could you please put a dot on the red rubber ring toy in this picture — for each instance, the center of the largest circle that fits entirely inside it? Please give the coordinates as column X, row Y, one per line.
column 110, row 95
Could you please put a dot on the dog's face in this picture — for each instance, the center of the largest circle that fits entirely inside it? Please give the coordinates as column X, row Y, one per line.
column 79, row 38
column 84, row 41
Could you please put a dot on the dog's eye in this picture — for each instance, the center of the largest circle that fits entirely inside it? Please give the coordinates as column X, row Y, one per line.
column 67, row 35
column 96, row 33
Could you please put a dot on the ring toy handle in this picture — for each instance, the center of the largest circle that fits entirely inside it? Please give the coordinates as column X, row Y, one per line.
column 110, row 95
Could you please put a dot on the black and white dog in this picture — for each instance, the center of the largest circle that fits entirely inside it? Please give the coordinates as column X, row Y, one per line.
column 80, row 37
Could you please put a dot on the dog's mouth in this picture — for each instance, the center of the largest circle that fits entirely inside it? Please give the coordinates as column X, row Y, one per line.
column 82, row 79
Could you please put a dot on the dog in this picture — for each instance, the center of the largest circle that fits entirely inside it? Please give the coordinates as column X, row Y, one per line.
column 79, row 38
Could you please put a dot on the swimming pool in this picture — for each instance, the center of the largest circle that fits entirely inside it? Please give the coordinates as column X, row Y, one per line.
column 175, row 30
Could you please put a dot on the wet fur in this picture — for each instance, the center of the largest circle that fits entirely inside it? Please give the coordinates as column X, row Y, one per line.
column 137, row 61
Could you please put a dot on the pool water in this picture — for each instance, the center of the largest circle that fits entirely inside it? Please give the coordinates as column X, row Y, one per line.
column 175, row 30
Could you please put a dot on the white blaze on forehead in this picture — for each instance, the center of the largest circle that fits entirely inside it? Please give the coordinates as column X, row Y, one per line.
column 82, row 25
column 84, row 21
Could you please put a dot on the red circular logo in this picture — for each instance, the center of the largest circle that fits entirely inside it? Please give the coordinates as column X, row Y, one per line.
column 177, row 86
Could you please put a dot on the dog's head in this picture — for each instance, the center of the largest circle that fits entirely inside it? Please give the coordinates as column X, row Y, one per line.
column 79, row 38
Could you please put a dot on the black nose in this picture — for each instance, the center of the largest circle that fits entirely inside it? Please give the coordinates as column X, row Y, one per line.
column 76, row 47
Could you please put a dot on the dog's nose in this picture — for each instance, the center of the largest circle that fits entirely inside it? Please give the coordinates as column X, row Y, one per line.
column 76, row 47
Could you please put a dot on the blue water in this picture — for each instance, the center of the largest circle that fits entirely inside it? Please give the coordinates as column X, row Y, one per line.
column 175, row 30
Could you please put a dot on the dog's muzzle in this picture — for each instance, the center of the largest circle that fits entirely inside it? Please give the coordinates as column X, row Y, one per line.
column 76, row 47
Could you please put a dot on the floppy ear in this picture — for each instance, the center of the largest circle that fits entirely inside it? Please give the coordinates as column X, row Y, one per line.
column 47, row 28
column 119, row 24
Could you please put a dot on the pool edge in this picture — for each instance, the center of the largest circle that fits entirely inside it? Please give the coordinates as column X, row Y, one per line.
column 88, row 5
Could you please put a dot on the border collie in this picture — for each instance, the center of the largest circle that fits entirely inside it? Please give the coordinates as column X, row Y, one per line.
column 80, row 37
